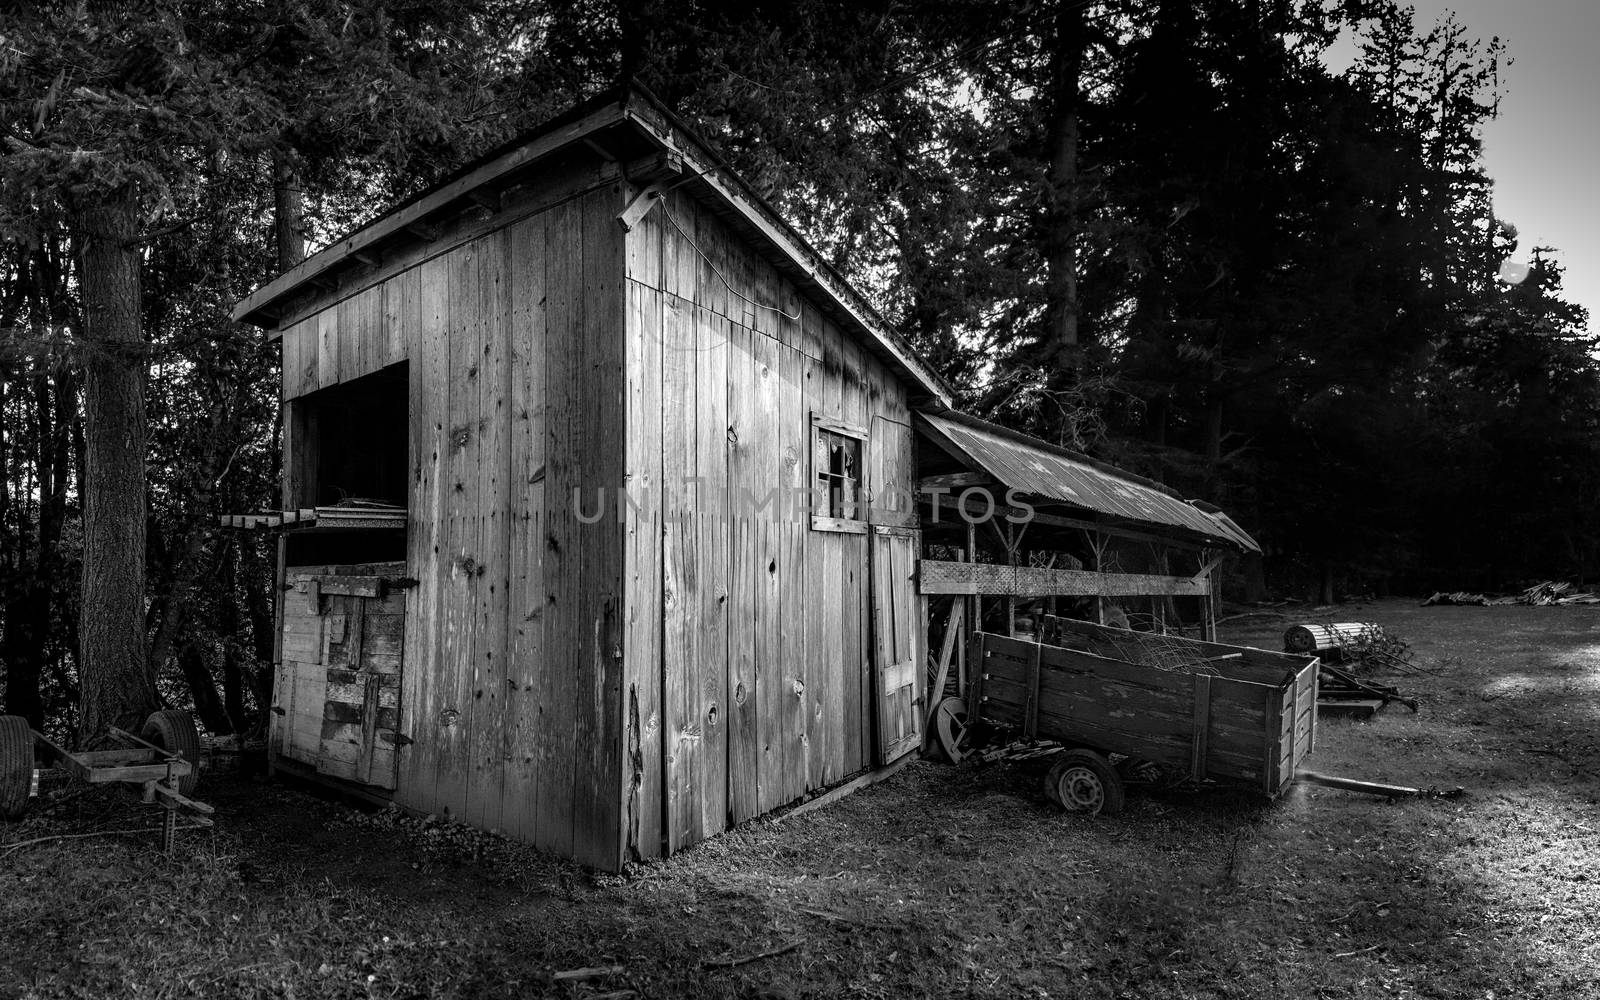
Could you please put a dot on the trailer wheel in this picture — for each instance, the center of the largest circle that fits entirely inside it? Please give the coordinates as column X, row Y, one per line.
column 174, row 732
column 1083, row 781
column 16, row 766
column 950, row 724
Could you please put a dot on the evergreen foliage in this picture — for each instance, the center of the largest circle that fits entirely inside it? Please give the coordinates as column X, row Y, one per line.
column 1163, row 231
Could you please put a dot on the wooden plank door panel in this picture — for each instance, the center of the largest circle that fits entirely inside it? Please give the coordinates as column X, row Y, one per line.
column 897, row 643
column 361, row 711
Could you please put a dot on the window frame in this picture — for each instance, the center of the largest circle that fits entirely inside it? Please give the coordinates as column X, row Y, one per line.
column 860, row 524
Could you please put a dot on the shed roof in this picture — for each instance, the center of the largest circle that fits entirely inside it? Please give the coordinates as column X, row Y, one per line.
column 625, row 125
column 1040, row 469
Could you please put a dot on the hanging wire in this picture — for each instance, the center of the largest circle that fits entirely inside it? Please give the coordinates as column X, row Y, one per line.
column 716, row 271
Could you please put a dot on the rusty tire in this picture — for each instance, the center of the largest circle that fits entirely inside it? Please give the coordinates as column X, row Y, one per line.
column 1083, row 781
column 174, row 731
column 16, row 766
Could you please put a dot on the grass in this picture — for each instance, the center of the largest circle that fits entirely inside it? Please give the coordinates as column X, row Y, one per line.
column 945, row 882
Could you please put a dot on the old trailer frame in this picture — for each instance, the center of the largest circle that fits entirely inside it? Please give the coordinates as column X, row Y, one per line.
column 1244, row 717
column 159, row 771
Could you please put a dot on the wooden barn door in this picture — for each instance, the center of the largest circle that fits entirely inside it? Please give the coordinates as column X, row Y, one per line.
column 361, row 713
column 897, row 642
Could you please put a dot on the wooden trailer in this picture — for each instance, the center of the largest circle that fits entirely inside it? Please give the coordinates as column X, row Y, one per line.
column 1204, row 710
column 654, row 567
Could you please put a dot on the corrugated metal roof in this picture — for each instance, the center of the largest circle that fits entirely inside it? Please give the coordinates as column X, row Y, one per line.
column 1041, row 469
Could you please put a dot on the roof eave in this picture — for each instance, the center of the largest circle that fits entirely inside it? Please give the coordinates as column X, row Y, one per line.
column 701, row 168
column 258, row 308
column 1228, row 534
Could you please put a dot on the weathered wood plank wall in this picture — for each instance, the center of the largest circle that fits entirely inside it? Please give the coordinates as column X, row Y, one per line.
column 697, row 656
column 513, row 330
column 763, row 660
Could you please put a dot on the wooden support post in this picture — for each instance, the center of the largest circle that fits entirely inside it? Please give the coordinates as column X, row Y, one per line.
column 975, row 691
column 951, row 644
column 1011, row 599
column 1097, row 545
column 963, row 604
column 1209, row 560
column 974, row 603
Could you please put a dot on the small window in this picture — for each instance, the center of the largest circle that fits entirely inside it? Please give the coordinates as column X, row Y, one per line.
column 838, row 462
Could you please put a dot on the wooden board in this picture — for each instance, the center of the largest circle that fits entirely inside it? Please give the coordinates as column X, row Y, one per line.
column 711, row 700
column 770, row 610
column 654, row 583
column 601, row 443
column 429, row 400
column 942, row 577
column 526, row 667
column 491, row 536
column 455, row 667
column 745, row 546
column 668, row 337
column 558, row 690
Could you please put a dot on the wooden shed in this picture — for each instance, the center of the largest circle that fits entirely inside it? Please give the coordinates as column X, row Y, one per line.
column 578, row 532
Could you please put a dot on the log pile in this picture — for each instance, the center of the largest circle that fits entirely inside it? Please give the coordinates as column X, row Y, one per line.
column 1552, row 592
column 1545, row 594
column 1456, row 597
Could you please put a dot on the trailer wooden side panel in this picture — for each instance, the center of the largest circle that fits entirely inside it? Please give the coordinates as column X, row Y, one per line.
column 1235, row 728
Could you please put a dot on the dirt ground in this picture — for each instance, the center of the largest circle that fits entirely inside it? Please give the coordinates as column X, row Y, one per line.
column 941, row 882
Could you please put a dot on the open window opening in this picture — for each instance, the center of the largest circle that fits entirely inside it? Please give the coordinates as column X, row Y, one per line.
column 838, row 459
column 347, row 456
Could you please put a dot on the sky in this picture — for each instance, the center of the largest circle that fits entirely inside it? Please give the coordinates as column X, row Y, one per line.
column 1543, row 152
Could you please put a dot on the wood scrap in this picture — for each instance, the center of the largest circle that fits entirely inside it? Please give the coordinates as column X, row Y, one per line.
column 728, row 963
column 1358, row 951
column 1336, row 684
column 588, row 972
column 1546, row 593
column 1457, row 597
column 1377, row 788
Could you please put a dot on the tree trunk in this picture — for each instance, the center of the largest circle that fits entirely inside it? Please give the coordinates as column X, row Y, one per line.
column 117, row 687
column 1061, row 233
column 208, row 706
column 288, row 215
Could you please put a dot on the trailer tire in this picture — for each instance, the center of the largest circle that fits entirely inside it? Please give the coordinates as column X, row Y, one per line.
column 16, row 766
column 174, row 731
column 1081, row 780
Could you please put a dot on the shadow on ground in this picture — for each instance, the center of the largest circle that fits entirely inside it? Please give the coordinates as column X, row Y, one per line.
column 946, row 881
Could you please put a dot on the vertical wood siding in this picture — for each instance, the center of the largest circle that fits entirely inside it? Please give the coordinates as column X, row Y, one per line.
column 748, row 632
column 512, row 687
